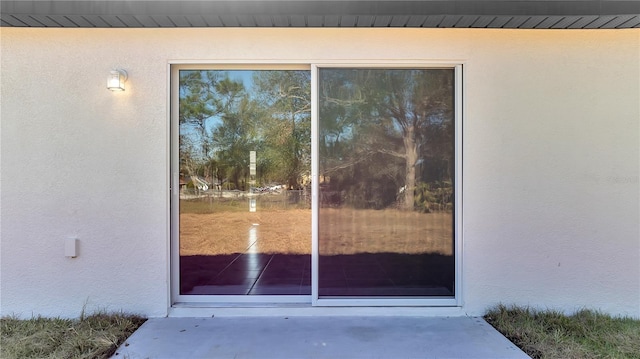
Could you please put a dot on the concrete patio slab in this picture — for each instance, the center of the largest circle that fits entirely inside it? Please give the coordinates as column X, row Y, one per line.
column 318, row 337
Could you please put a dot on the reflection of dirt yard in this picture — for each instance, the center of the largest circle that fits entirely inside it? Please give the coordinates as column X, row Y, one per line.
column 342, row 231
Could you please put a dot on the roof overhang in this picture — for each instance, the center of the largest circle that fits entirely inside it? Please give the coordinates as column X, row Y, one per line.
column 520, row 14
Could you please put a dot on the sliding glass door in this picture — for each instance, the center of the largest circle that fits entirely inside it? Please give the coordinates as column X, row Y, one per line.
column 244, row 157
column 318, row 184
column 386, row 183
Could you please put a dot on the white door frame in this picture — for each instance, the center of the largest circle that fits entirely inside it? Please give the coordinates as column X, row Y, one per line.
column 211, row 301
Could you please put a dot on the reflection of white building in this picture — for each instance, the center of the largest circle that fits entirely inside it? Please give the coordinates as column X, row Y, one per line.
column 200, row 183
column 537, row 150
column 196, row 181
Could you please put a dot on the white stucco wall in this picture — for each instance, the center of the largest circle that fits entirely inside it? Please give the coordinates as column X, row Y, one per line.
column 551, row 166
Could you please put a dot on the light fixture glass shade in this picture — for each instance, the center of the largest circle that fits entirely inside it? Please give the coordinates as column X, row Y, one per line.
column 116, row 80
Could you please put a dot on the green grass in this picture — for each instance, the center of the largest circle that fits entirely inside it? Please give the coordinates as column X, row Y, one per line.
column 95, row 336
column 541, row 334
column 584, row 335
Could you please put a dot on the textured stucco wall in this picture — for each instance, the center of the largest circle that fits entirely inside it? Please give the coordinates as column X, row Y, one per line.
column 551, row 166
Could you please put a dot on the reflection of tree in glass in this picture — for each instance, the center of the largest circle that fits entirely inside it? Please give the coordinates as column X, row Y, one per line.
column 235, row 136
column 383, row 131
column 226, row 114
column 286, row 125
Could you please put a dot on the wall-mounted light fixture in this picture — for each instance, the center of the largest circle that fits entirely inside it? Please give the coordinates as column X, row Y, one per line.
column 116, row 80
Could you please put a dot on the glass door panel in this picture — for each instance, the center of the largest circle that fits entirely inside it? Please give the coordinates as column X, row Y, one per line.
column 386, row 182
column 244, row 177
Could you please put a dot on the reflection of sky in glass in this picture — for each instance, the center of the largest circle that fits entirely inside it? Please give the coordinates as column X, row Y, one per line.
column 245, row 76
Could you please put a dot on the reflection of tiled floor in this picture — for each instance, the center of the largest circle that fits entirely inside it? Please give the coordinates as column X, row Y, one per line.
column 252, row 273
column 364, row 274
column 379, row 274
column 386, row 274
